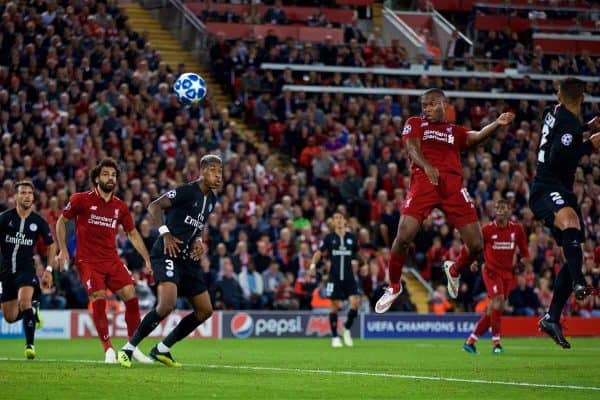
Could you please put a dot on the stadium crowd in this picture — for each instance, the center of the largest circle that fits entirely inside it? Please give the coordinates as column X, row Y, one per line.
column 77, row 84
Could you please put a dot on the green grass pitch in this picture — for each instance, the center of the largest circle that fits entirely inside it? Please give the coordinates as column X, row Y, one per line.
column 307, row 369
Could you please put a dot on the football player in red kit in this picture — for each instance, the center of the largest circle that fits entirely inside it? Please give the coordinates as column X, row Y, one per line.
column 434, row 147
column 97, row 215
column 501, row 238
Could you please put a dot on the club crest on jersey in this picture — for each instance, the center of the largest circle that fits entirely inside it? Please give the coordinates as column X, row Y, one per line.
column 566, row 139
column 171, row 194
column 33, row 227
column 407, row 129
column 349, row 241
column 116, row 213
column 68, row 206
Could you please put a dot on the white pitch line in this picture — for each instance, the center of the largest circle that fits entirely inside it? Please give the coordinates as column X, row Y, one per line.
column 346, row 373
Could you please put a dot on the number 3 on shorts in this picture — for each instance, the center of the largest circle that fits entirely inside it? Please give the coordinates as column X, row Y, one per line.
column 170, row 265
column 329, row 288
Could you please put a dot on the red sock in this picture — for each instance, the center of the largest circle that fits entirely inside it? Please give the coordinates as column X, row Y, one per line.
column 496, row 319
column 462, row 262
column 101, row 322
column 395, row 269
column 132, row 315
column 480, row 329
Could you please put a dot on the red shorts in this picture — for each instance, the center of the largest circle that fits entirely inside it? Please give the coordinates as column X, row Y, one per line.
column 113, row 275
column 497, row 283
column 449, row 196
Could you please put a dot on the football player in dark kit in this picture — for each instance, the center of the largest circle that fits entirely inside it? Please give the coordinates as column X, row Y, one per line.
column 552, row 198
column 20, row 228
column 174, row 259
column 341, row 247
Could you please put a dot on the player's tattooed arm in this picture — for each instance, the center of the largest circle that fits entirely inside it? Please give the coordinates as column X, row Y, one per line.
column 171, row 243
column 476, row 137
column 413, row 146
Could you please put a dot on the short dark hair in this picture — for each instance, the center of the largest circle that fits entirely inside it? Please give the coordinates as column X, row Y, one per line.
column 209, row 159
column 503, row 201
column 434, row 91
column 571, row 89
column 24, row 183
column 105, row 163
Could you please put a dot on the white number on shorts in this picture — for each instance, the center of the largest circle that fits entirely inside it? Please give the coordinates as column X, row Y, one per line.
column 329, row 288
column 170, row 265
column 557, row 198
column 466, row 195
column 0, row 287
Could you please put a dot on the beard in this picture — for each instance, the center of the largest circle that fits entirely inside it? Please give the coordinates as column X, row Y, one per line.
column 106, row 187
column 26, row 206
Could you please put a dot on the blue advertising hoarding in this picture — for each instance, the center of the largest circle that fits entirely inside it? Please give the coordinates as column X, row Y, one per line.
column 410, row 325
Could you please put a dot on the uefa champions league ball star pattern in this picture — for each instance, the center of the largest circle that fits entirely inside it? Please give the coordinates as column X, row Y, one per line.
column 190, row 88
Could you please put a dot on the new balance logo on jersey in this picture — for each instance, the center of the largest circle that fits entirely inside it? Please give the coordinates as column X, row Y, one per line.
column 194, row 222
column 93, row 208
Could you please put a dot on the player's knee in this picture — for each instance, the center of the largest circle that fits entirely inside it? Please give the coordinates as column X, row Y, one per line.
column 203, row 314
column 99, row 295
column 164, row 308
column 475, row 248
column 400, row 244
column 10, row 317
column 24, row 305
column 498, row 302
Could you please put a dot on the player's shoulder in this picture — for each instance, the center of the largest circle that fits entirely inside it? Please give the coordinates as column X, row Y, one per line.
column 516, row 225
column 7, row 213
column 83, row 196
column 119, row 201
column 490, row 226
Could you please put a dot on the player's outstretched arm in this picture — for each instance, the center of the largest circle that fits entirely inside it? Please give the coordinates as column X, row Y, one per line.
column 476, row 137
column 61, row 239
column 413, row 146
column 138, row 243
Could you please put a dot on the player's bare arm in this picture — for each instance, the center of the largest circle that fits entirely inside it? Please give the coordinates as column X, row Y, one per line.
column 413, row 146
column 594, row 124
column 138, row 243
column 171, row 243
column 61, row 238
column 476, row 137
column 315, row 259
column 47, row 277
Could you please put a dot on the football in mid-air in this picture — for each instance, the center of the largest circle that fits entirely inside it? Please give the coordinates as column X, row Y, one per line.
column 190, row 88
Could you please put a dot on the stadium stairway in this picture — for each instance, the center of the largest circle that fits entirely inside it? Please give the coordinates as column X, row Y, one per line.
column 377, row 9
column 419, row 294
column 173, row 53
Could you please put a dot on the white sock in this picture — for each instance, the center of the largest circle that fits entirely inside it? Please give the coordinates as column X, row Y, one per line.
column 162, row 348
column 129, row 347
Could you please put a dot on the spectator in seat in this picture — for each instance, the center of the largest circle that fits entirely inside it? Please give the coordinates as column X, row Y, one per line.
column 272, row 278
column 252, row 286
column 275, row 15
column 227, row 293
column 285, row 298
column 523, row 301
column 439, row 304
column 352, row 31
column 456, row 46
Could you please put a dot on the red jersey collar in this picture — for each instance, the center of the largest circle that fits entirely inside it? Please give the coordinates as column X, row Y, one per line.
column 112, row 196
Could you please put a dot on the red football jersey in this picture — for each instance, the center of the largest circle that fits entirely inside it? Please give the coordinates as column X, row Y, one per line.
column 500, row 245
column 96, row 225
column 441, row 144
